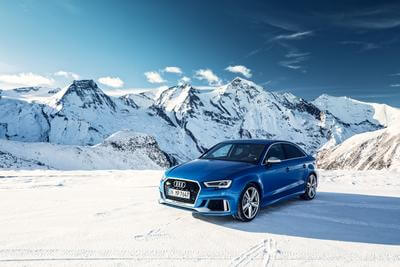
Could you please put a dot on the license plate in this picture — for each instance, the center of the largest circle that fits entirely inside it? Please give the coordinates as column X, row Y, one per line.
column 178, row 193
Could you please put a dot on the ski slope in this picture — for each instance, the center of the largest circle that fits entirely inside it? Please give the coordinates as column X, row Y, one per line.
column 112, row 218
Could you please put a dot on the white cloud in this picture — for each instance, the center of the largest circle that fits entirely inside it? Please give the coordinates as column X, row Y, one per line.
column 111, row 81
column 184, row 80
column 289, row 65
column 67, row 74
column 154, row 77
column 279, row 23
column 395, row 85
column 208, row 75
column 294, row 36
column 292, row 54
column 294, row 58
column 365, row 46
column 176, row 70
column 294, row 63
column 25, row 79
column 382, row 23
column 240, row 69
column 382, row 17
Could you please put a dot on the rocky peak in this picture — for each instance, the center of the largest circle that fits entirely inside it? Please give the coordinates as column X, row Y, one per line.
column 238, row 80
column 240, row 87
column 296, row 103
column 177, row 96
column 131, row 141
column 86, row 94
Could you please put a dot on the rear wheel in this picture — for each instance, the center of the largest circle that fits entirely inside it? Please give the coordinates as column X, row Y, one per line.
column 249, row 204
column 311, row 188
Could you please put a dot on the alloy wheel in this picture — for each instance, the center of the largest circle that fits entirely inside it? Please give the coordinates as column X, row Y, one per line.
column 311, row 186
column 250, row 202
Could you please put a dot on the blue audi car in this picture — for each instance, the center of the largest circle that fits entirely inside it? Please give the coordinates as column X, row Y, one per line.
column 239, row 177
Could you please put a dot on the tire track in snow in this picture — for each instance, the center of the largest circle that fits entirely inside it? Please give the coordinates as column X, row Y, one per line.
column 270, row 251
column 155, row 232
column 267, row 250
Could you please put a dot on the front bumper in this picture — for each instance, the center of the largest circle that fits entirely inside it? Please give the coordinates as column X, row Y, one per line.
column 208, row 199
column 203, row 210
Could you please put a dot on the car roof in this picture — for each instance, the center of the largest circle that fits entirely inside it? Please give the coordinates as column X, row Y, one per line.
column 255, row 141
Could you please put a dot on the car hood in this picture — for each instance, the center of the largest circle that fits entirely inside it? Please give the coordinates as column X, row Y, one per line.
column 205, row 170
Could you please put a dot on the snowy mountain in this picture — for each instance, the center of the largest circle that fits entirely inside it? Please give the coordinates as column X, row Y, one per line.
column 23, row 121
column 30, row 93
column 122, row 150
column 372, row 150
column 352, row 111
column 184, row 120
column 241, row 109
column 80, row 113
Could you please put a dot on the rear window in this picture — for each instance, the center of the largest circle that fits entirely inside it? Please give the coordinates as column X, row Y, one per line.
column 275, row 152
column 292, row 151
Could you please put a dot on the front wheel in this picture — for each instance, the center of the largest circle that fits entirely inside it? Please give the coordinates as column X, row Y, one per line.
column 249, row 204
column 311, row 188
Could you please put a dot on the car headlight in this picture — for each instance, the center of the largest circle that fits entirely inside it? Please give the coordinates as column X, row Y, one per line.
column 218, row 184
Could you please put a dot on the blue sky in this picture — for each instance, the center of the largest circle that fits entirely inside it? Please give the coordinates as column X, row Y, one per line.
column 305, row 47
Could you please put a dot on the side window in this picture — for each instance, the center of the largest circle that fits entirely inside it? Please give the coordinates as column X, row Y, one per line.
column 292, row 151
column 222, row 151
column 276, row 152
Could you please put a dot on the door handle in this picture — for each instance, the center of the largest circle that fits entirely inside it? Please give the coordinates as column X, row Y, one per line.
column 304, row 166
column 287, row 169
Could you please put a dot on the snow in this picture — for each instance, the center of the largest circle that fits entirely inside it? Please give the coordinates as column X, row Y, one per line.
column 184, row 120
column 22, row 121
column 353, row 111
column 112, row 218
column 122, row 150
column 30, row 94
column 371, row 150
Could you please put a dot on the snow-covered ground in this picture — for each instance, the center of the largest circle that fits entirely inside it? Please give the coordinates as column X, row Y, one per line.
column 122, row 150
column 113, row 218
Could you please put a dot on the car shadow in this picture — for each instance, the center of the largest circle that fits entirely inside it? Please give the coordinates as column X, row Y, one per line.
column 330, row 216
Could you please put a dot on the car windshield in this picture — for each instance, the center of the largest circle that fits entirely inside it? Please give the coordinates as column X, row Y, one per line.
column 250, row 153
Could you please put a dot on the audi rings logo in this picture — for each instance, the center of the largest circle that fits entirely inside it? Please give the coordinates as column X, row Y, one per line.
column 179, row 184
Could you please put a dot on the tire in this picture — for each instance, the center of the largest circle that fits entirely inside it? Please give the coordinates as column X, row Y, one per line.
column 249, row 203
column 311, row 188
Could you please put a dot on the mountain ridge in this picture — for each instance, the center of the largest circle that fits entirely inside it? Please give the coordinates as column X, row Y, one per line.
column 186, row 121
column 371, row 150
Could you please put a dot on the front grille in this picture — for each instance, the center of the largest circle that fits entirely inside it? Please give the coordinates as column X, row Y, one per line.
column 190, row 186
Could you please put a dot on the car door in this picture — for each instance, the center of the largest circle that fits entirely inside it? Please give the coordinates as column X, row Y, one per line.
column 296, row 168
column 274, row 176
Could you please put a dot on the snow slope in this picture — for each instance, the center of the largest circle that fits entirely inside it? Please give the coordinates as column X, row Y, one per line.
column 353, row 111
column 23, row 121
column 112, row 218
column 373, row 150
column 30, row 94
column 122, row 150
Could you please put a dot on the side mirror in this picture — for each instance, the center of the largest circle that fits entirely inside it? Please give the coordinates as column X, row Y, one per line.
column 273, row 160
